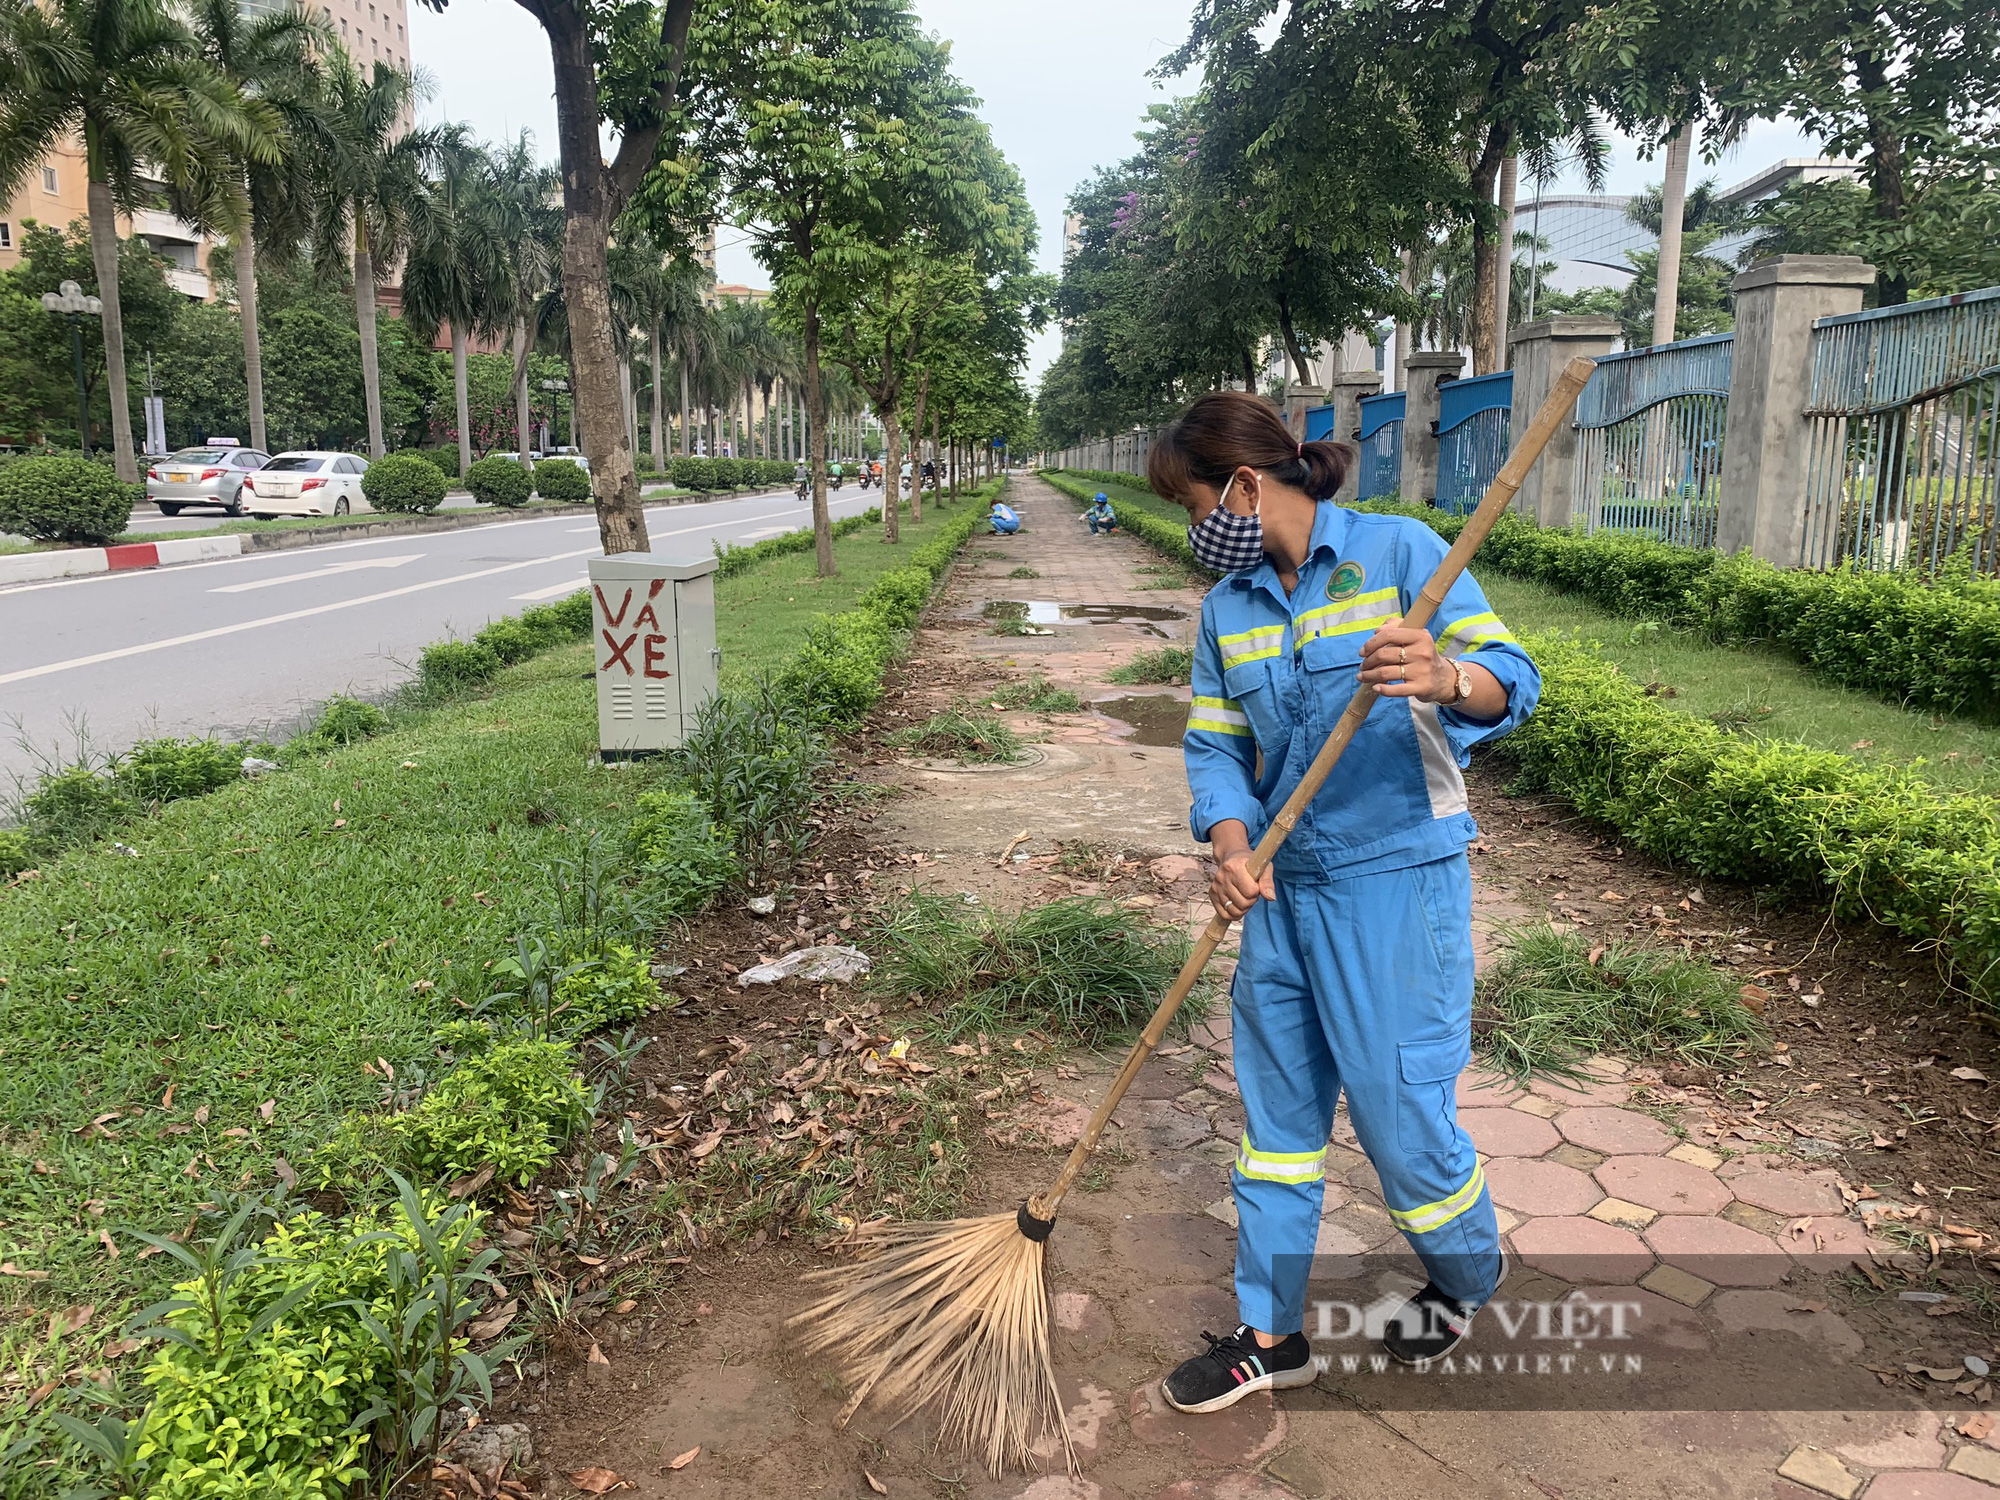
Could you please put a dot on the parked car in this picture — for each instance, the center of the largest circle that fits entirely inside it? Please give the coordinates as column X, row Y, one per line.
column 574, row 455
column 202, row 476
column 307, row 482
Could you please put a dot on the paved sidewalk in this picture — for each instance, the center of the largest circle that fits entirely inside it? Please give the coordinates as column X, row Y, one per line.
column 1616, row 1190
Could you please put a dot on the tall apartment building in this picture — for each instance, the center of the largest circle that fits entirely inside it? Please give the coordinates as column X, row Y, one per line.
column 54, row 190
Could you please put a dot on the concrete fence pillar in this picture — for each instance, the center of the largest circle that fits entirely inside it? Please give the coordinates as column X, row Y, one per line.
column 1540, row 350
column 1764, row 467
column 1423, row 373
column 1347, row 389
column 1297, row 399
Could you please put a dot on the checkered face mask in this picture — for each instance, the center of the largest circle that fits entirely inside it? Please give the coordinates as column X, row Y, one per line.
column 1225, row 541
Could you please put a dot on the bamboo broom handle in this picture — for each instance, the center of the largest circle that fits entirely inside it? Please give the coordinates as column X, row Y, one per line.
column 1499, row 495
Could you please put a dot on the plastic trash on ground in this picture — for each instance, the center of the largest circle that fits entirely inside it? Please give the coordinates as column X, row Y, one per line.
column 835, row 964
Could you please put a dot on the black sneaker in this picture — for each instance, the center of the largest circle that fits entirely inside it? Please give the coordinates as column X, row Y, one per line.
column 1235, row 1366
column 1430, row 1325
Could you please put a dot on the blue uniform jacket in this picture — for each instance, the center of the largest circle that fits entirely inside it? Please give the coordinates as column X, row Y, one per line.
column 1272, row 675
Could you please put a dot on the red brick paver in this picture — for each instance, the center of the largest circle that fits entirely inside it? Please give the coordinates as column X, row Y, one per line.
column 1615, row 1132
column 1508, row 1132
column 1717, row 1250
column 1663, row 1184
column 1543, row 1188
column 1793, row 1194
column 1582, row 1250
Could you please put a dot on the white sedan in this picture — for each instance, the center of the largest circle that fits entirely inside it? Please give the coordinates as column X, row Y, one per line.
column 307, row 483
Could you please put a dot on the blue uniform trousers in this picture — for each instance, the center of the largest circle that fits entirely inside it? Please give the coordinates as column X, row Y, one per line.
column 1364, row 985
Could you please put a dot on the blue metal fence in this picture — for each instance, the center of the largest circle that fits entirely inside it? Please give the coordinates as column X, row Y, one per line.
column 1649, row 441
column 1319, row 424
column 1472, row 437
column 1901, row 472
column 1381, row 445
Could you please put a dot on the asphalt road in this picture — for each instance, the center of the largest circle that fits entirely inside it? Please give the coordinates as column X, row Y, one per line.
column 247, row 645
column 147, row 520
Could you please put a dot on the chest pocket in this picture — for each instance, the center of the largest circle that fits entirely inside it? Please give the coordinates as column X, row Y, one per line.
column 1249, row 685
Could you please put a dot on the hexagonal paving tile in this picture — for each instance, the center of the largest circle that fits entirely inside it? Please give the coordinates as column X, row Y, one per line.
column 1507, row 1132
column 1795, row 1195
column 1663, row 1184
column 1582, row 1250
column 1478, row 1089
column 1615, row 1132
column 1582, row 1090
column 1717, row 1250
column 1542, row 1188
column 1830, row 1244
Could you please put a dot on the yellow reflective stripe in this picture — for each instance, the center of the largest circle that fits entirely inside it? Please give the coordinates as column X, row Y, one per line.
column 1218, row 715
column 1346, row 627
column 1472, row 627
column 1437, row 1215
column 1202, row 701
column 1280, row 1166
column 1359, row 604
column 1219, row 726
column 1263, row 641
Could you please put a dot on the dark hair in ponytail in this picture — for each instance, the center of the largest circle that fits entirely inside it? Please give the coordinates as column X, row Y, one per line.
column 1225, row 430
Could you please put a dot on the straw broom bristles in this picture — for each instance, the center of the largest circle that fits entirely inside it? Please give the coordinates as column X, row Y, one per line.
column 955, row 1315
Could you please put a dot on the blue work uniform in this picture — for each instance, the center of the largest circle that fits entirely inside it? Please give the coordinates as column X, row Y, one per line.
column 1005, row 521
column 1101, row 516
column 1359, row 975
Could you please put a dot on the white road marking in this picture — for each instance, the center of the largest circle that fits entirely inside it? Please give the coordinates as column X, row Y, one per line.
column 751, row 536
column 325, row 570
column 569, row 587
column 296, row 614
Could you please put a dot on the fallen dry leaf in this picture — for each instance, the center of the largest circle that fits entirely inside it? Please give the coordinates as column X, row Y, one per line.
column 875, row 1484
column 1754, row 997
column 8, row 1268
column 167, row 1099
column 1970, row 1075
column 686, row 1458
column 1978, row 1426
column 1610, row 896
column 597, row 1481
column 267, row 1109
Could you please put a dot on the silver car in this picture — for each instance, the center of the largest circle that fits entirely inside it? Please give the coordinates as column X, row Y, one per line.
column 202, row 476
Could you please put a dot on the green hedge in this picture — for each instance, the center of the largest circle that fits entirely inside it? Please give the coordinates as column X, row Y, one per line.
column 1161, row 534
column 1877, row 841
column 837, row 675
column 64, row 497
column 732, row 560
column 499, row 480
column 1934, row 646
column 404, row 482
column 562, row 480
column 689, row 473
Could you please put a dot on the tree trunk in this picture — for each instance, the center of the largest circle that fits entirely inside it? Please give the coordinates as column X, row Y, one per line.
column 1486, row 249
column 659, row 400
column 104, row 260
column 523, row 418
column 628, row 409
column 461, row 399
column 1503, row 280
column 892, row 475
column 916, row 449
column 364, row 318
column 1885, row 169
column 816, row 429
column 937, row 459
column 245, row 250
column 1673, row 205
column 686, row 448
column 1403, row 330
column 1301, row 366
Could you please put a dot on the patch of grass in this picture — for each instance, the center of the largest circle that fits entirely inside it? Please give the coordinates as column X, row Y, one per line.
column 977, row 739
column 1082, row 969
column 1555, row 999
column 1036, row 696
column 1024, row 573
column 990, row 554
column 1083, row 860
column 1171, row 665
column 1762, row 691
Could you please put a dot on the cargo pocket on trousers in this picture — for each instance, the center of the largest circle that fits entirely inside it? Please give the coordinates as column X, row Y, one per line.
column 1429, row 1067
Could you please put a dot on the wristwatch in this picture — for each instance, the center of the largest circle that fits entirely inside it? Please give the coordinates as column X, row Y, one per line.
column 1464, row 676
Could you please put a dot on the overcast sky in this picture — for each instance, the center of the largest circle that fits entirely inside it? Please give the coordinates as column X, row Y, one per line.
column 1065, row 84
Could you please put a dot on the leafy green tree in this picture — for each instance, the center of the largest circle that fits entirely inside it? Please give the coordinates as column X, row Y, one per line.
column 459, row 273
column 370, row 191
column 127, row 77
column 315, row 396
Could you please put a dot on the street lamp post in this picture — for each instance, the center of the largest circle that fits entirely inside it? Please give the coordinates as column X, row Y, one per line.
column 70, row 300
column 555, row 388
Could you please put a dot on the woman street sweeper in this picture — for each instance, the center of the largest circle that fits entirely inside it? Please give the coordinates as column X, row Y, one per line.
column 1356, row 959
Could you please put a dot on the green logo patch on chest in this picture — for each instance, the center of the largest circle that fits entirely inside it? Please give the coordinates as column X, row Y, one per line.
column 1346, row 582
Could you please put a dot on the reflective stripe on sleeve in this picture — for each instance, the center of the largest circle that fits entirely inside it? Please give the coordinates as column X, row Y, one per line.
column 1218, row 715
column 1437, row 1215
column 1280, row 1166
column 1473, row 631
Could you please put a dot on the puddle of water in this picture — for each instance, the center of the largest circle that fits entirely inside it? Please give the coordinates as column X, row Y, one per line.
column 1047, row 612
column 1158, row 719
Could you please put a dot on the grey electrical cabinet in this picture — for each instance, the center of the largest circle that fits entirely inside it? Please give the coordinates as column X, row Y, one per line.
column 653, row 629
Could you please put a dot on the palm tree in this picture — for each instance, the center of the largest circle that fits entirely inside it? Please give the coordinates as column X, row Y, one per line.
column 458, row 273
column 526, row 217
column 128, row 77
column 272, row 60
column 371, row 189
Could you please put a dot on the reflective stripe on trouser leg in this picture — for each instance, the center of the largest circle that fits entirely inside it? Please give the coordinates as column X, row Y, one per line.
column 1288, row 1084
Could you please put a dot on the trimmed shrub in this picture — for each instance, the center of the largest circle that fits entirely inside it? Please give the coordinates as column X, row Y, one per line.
column 165, row 770
column 568, row 619
column 561, row 480
column 74, row 806
column 728, row 472
column 643, row 463
column 404, row 483
column 65, row 498
column 16, row 854
column 450, row 665
column 690, row 473
column 444, row 460
column 343, row 721
column 734, row 559
column 509, row 640
column 500, row 481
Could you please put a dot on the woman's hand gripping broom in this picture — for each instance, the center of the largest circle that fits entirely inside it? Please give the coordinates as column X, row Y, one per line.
column 955, row 1315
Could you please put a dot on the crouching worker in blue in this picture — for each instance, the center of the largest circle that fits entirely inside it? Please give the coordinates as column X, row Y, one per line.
column 1004, row 519
column 1101, row 516
column 1356, row 963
